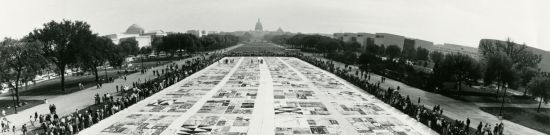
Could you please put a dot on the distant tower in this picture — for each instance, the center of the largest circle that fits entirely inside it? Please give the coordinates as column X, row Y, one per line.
column 258, row 26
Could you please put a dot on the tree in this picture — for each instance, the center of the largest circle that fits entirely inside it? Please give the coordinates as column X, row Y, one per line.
column 190, row 43
column 382, row 50
column 372, row 48
column 95, row 53
column 520, row 56
column 367, row 58
column 216, row 41
column 422, row 53
column 169, row 44
column 499, row 69
column 116, row 56
column 156, row 43
column 246, row 36
column 408, row 51
column 129, row 47
column 436, row 57
column 459, row 68
column 351, row 47
column 21, row 62
column 540, row 87
column 181, row 42
column 526, row 74
column 393, row 51
column 278, row 39
column 349, row 58
column 145, row 50
column 60, row 40
column 327, row 45
column 209, row 41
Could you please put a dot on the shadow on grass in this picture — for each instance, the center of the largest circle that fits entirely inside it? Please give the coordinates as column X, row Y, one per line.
column 471, row 95
column 492, row 99
column 527, row 117
column 7, row 105
column 53, row 87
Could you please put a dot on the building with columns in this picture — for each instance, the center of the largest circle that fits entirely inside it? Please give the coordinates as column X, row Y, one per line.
column 385, row 39
column 257, row 35
column 137, row 33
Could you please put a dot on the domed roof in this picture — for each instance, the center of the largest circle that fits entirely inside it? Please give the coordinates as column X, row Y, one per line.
column 135, row 29
column 258, row 26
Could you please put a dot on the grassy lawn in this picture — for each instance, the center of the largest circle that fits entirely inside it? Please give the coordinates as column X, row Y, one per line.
column 53, row 87
column 527, row 117
column 492, row 99
column 470, row 94
column 8, row 105
column 149, row 64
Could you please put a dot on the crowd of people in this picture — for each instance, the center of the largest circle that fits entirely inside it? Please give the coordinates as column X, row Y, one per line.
column 109, row 104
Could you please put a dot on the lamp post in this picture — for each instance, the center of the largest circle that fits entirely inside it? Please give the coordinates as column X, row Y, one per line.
column 14, row 101
column 503, row 97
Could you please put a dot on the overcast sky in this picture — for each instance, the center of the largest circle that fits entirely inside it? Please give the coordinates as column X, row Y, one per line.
column 462, row 22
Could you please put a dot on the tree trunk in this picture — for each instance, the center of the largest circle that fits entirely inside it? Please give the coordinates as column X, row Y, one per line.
column 459, row 87
column 105, row 68
column 13, row 98
column 540, row 102
column 62, row 73
column 17, row 100
column 498, row 89
column 96, row 74
column 49, row 77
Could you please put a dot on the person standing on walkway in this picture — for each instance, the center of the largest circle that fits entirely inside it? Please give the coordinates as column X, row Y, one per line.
column 52, row 110
column 478, row 132
column 467, row 125
column 80, row 86
column 24, row 129
column 495, row 129
column 32, row 122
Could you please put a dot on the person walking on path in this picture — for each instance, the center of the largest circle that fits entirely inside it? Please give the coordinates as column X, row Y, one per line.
column 32, row 122
column 35, row 116
column 80, row 86
column 23, row 129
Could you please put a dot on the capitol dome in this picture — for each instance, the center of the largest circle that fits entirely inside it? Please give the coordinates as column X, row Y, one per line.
column 258, row 26
column 135, row 29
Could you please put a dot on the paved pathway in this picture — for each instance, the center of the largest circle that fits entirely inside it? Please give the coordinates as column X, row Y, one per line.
column 452, row 108
column 264, row 103
column 66, row 104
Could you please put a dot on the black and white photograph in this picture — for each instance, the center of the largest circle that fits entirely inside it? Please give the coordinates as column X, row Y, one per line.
column 275, row 67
